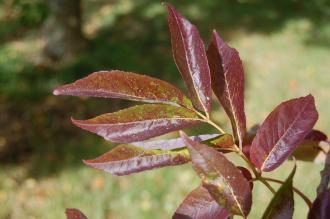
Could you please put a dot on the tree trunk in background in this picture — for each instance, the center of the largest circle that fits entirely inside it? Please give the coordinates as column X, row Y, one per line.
column 62, row 30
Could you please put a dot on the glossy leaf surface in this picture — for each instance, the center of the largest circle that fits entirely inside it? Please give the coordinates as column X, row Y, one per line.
column 126, row 159
column 282, row 131
column 139, row 122
column 72, row 213
column 228, row 82
column 190, row 57
column 224, row 181
column 125, row 85
column 200, row 205
column 282, row 204
column 170, row 144
column 321, row 206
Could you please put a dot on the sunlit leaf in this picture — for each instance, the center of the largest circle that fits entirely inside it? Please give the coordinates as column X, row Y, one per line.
column 225, row 182
column 228, row 82
column 282, row 204
column 126, row 159
column 140, row 122
column 72, row 213
column 282, row 131
column 125, row 85
column 170, row 144
column 190, row 58
column 321, row 206
column 200, row 205
column 221, row 143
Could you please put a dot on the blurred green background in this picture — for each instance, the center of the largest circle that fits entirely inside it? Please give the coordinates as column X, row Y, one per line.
column 284, row 44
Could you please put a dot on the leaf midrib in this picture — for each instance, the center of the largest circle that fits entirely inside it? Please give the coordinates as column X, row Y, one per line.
column 186, row 56
column 284, row 134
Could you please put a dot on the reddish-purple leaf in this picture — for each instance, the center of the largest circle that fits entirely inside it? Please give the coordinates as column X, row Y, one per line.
column 126, row 159
column 225, row 182
column 72, row 213
column 190, row 57
column 247, row 174
column 282, row 131
column 228, row 82
column 313, row 151
column 125, row 85
column 282, row 204
column 321, row 206
column 140, row 122
column 248, row 138
column 171, row 144
column 316, row 135
column 200, row 205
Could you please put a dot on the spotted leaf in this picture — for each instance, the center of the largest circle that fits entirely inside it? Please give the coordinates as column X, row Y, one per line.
column 125, row 85
column 140, row 122
column 224, row 181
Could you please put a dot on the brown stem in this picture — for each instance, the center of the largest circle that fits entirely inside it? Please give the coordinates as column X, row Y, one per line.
column 241, row 154
column 304, row 197
column 254, row 170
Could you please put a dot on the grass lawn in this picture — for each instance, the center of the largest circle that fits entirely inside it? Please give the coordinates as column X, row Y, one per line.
column 280, row 65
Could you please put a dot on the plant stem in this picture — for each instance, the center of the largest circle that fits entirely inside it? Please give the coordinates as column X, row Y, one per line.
column 241, row 154
column 208, row 120
column 256, row 173
column 304, row 197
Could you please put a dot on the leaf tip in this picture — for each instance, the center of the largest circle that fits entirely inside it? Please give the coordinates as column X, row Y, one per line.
column 76, row 122
column 86, row 162
column 56, row 92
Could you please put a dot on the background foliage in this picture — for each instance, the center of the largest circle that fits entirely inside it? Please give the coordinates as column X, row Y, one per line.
column 285, row 46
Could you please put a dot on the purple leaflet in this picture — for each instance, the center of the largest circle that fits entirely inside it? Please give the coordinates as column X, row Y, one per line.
column 170, row 144
column 72, row 213
column 190, row 57
column 224, row 181
column 247, row 174
column 282, row 131
column 312, row 151
column 126, row 159
column 228, row 83
column 316, row 135
column 140, row 122
column 200, row 205
column 321, row 206
column 125, row 85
